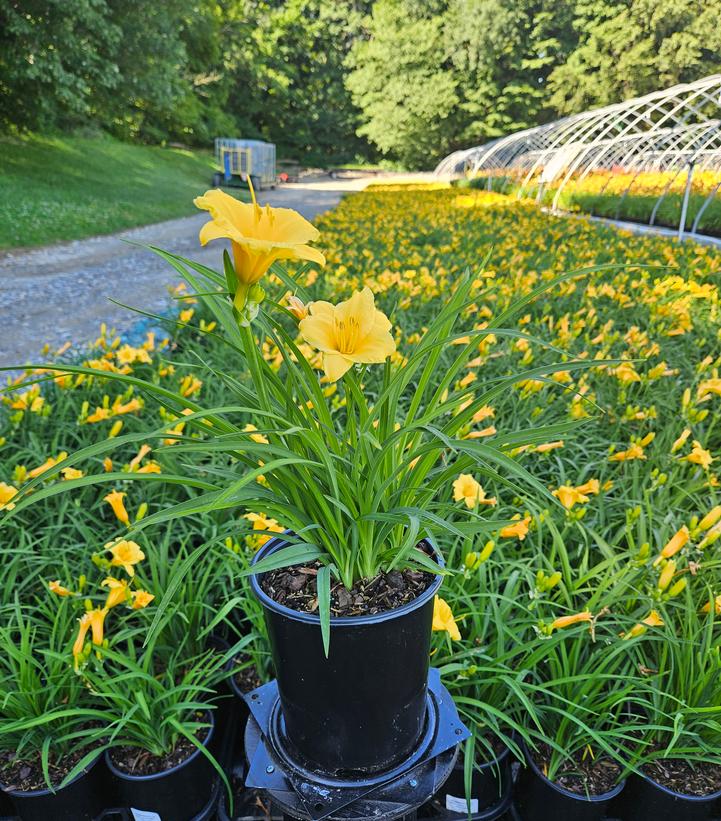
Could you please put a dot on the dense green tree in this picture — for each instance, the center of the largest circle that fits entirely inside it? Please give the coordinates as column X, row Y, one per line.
column 53, row 61
column 402, row 80
column 329, row 80
column 502, row 53
column 631, row 47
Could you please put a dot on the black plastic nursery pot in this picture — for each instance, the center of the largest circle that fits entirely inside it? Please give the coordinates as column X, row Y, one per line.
column 490, row 786
column 645, row 798
column 362, row 709
column 538, row 799
column 82, row 799
column 176, row 794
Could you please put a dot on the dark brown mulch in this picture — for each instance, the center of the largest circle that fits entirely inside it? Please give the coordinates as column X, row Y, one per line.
column 584, row 776
column 135, row 761
column 247, row 678
column 295, row 587
column 26, row 774
column 687, row 777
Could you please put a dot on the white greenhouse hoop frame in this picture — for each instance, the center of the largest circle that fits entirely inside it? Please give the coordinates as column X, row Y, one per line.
column 668, row 130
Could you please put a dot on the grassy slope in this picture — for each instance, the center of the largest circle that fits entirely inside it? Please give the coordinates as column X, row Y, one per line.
column 72, row 187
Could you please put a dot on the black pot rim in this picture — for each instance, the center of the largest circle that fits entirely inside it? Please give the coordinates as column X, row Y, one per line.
column 45, row 791
column 118, row 773
column 339, row 621
column 492, row 762
column 692, row 799
column 588, row 799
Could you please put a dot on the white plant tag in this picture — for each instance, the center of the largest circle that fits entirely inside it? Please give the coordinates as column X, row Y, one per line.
column 460, row 804
column 144, row 815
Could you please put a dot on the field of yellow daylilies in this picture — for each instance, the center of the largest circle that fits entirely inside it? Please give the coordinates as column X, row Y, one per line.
column 566, row 609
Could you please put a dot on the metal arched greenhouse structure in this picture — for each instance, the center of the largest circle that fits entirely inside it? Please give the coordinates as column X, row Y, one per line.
column 675, row 132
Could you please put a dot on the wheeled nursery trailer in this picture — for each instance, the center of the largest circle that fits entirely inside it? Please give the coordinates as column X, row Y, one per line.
column 243, row 159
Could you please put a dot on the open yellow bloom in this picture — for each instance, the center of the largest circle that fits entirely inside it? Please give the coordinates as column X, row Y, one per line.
column 569, row 496
column 115, row 500
column 141, row 599
column 125, row 555
column 467, row 489
column 351, row 332
column 634, row 452
column 652, row 620
column 518, row 530
column 7, row 492
column 117, row 592
column 258, row 236
column 262, row 522
column 443, row 619
column 699, row 456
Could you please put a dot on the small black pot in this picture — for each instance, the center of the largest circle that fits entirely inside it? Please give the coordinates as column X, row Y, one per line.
column 176, row 794
column 645, row 798
column 539, row 799
column 490, row 784
column 363, row 708
column 81, row 800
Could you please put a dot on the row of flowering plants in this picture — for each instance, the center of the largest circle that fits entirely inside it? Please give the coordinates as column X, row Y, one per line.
column 541, row 418
column 654, row 197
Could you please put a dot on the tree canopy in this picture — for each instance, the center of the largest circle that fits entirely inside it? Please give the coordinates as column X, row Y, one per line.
column 332, row 80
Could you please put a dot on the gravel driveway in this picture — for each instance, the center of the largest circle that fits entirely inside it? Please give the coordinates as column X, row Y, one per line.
column 61, row 293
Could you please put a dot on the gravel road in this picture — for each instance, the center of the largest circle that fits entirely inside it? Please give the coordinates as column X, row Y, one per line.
column 61, row 293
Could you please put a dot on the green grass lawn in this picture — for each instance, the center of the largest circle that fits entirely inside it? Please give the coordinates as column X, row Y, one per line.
column 65, row 188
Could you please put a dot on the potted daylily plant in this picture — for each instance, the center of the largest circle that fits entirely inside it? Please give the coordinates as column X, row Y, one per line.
column 352, row 447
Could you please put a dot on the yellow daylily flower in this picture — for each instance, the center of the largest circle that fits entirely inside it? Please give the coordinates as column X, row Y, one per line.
column 353, row 331
column 46, row 465
column 467, row 489
column 117, row 591
column 7, row 493
column 141, row 599
column 675, row 543
column 58, row 589
column 710, row 519
column 115, row 500
column 568, row 621
column 71, row 473
column 518, row 530
column 443, row 619
column 635, row 451
column 666, row 575
column 262, row 522
column 93, row 620
column 699, row 456
column 549, row 446
column 256, row 437
column 297, row 307
column 569, row 496
column 652, row 620
column 717, row 606
column 258, row 236
column 125, row 555
column 681, row 441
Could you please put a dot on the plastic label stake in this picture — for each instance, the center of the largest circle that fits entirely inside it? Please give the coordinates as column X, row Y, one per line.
column 455, row 804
